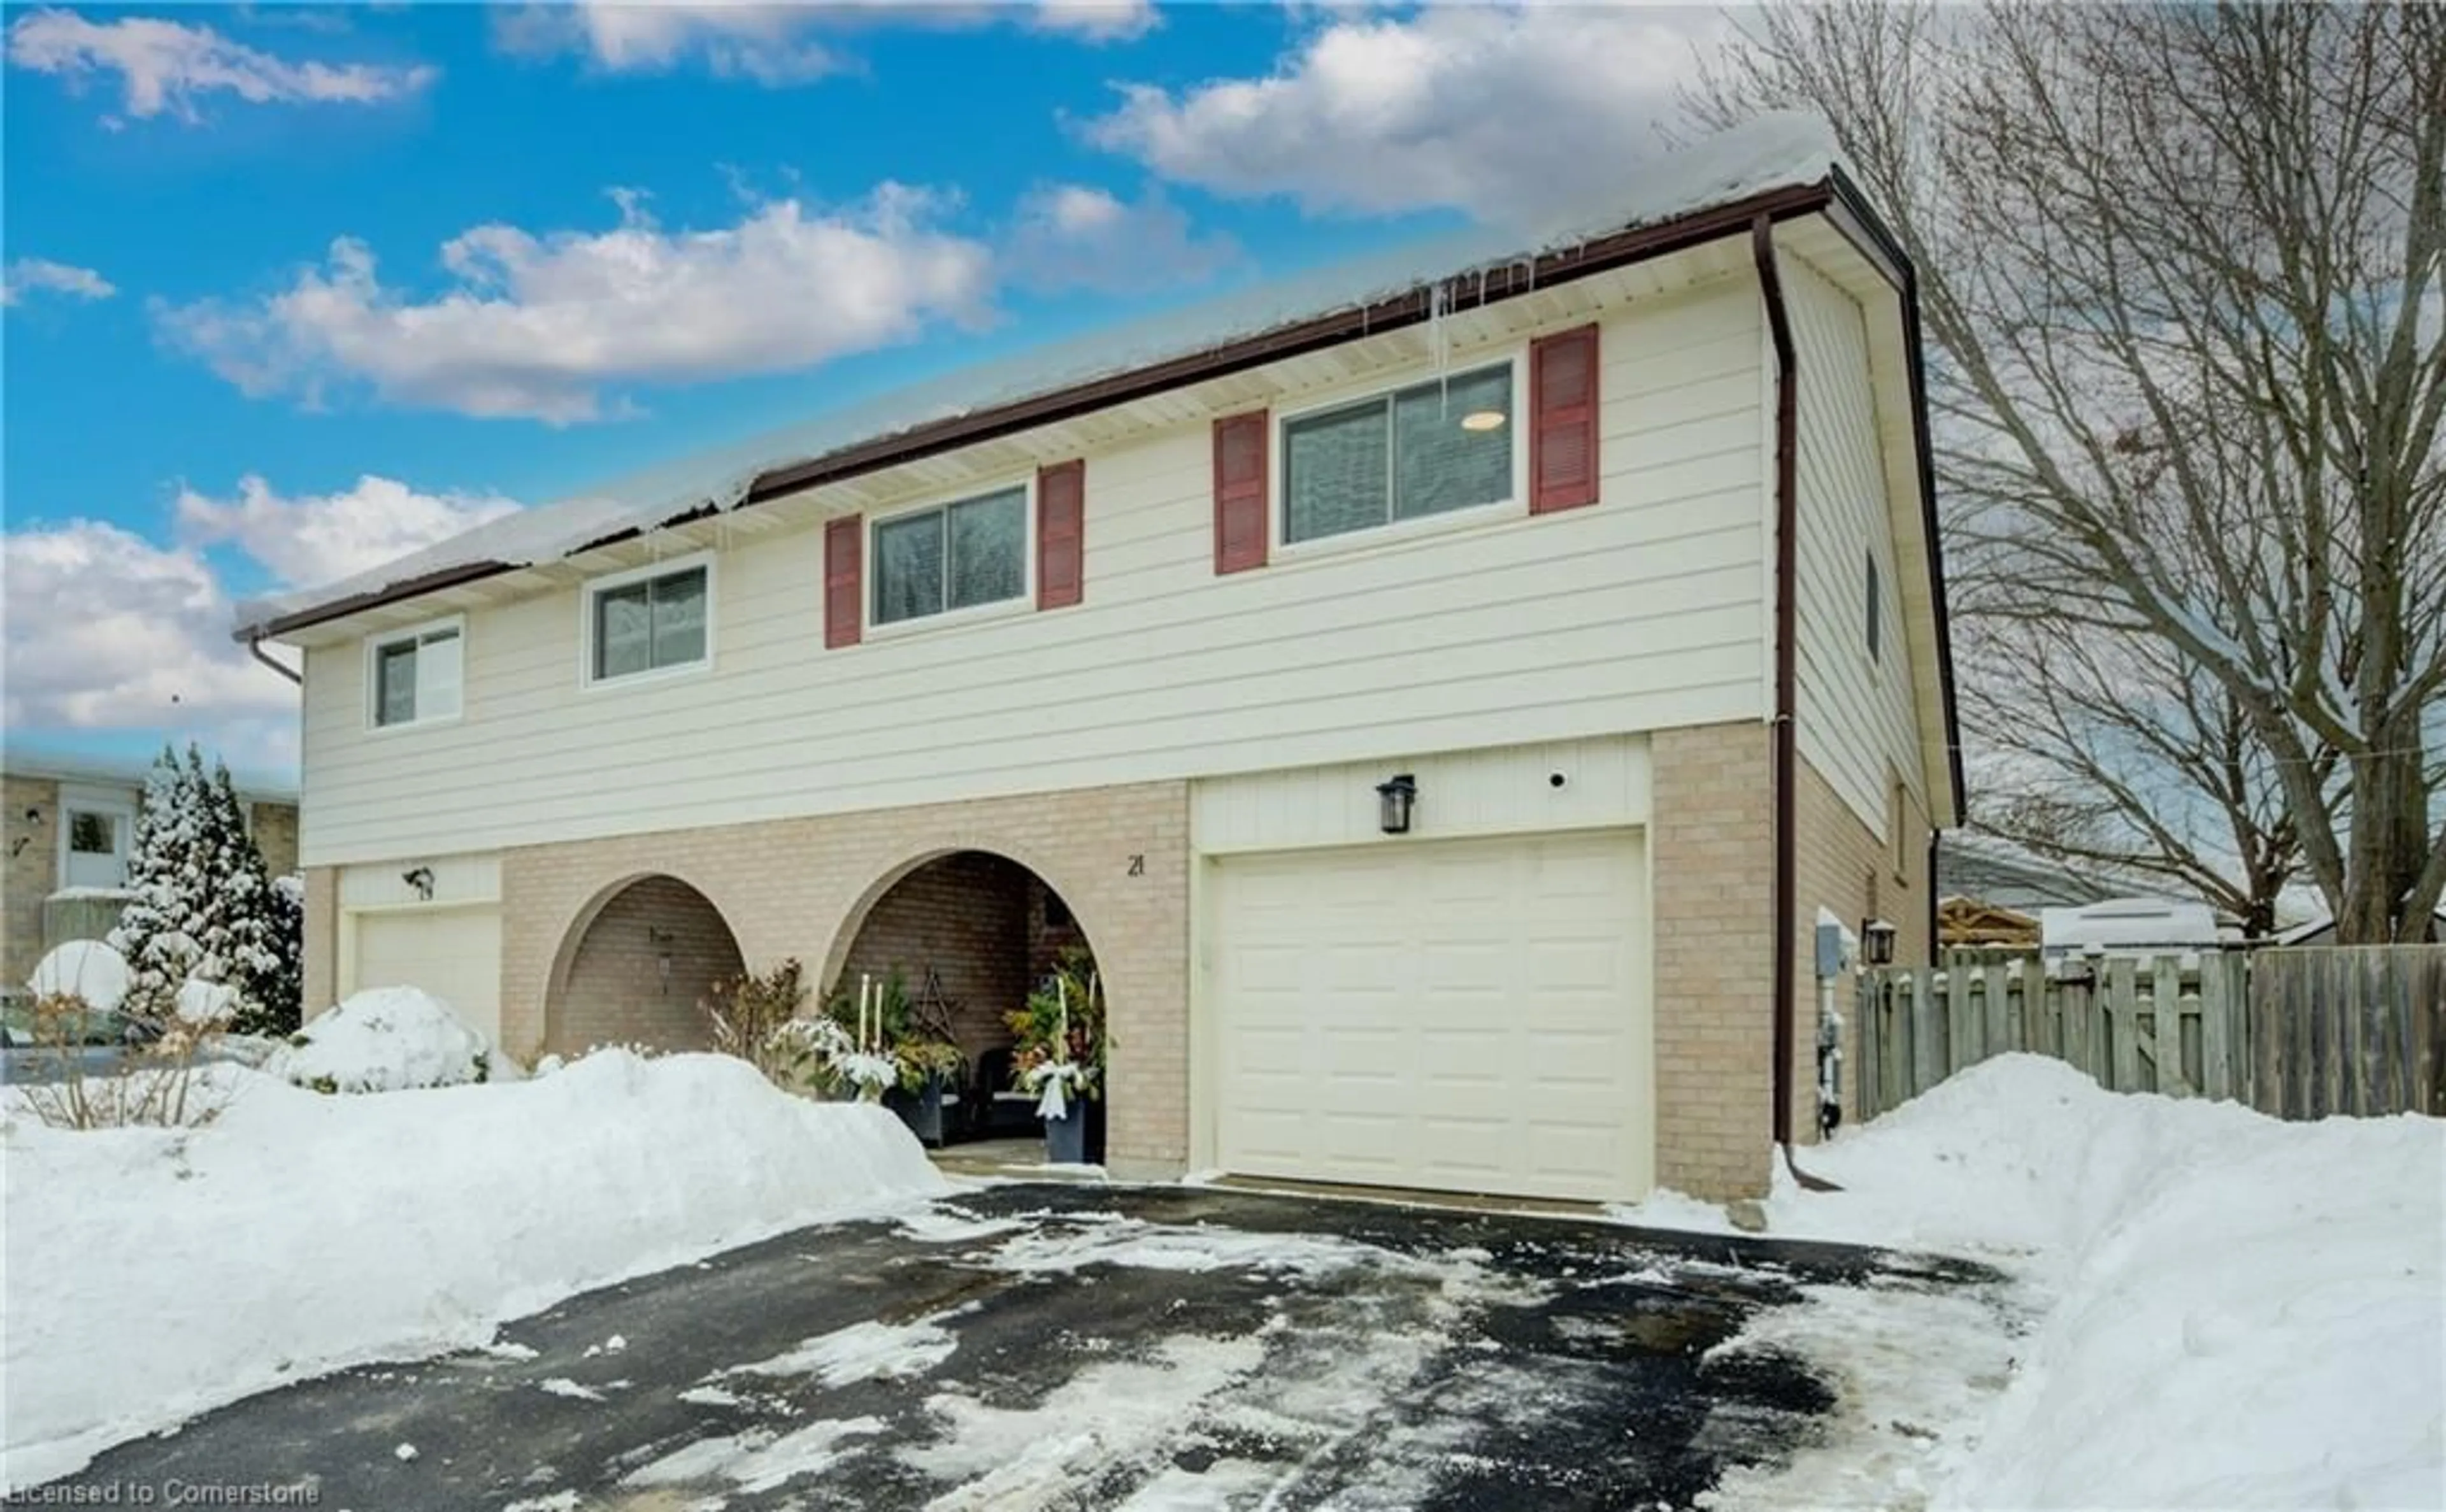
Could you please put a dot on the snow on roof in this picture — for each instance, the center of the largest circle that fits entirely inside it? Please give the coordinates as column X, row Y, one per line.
column 2125, row 923
column 1776, row 151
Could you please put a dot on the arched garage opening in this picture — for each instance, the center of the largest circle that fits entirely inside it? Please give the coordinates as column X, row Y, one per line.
column 635, row 966
column 972, row 934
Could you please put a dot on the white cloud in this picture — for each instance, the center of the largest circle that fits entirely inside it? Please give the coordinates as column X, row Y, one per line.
column 538, row 327
column 108, row 631
column 731, row 38
column 312, row 539
column 1097, row 20
column 1078, row 237
column 777, row 44
column 29, row 276
column 164, row 66
column 1502, row 111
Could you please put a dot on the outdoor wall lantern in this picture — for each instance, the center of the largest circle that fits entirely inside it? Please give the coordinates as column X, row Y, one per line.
column 660, row 940
column 420, row 878
column 1877, row 942
column 1394, row 800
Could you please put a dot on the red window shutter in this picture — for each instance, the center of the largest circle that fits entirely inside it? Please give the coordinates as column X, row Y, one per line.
column 1061, row 534
column 1241, row 522
column 1563, row 421
column 844, row 581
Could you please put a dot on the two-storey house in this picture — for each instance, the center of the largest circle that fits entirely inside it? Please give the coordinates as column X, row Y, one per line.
column 1442, row 697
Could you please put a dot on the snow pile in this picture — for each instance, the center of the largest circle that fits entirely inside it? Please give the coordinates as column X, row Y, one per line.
column 388, row 1040
column 82, row 968
column 2233, row 1311
column 153, row 1274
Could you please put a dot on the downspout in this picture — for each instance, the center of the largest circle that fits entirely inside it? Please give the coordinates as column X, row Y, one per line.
column 1934, row 836
column 1785, row 752
column 254, row 648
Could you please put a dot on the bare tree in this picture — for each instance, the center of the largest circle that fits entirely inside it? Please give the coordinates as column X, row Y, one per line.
column 2184, row 268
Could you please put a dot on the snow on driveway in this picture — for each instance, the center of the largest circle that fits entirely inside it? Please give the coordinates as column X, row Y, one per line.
column 1039, row 1347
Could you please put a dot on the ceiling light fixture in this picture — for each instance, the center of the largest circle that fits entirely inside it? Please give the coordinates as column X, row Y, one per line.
column 1483, row 420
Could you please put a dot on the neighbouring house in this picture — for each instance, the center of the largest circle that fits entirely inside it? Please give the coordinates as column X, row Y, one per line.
column 69, row 820
column 1443, row 693
column 2144, row 928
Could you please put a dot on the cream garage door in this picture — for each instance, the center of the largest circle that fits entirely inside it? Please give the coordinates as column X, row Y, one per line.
column 455, row 954
column 1465, row 1016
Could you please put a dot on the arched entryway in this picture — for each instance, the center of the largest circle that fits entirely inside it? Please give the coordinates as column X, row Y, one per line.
column 971, row 934
column 635, row 967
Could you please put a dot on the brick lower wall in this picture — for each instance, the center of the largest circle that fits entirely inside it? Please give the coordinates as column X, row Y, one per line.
column 805, row 887
column 322, row 972
column 274, row 828
column 966, row 917
column 1840, row 864
column 1712, row 857
column 30, row 861
column 616, row 989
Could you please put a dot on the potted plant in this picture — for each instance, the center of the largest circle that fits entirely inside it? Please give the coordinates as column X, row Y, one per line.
column 879, row 1051
column 1059, row 1054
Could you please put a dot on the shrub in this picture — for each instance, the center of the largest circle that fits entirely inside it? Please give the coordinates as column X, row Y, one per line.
column 154, row 1085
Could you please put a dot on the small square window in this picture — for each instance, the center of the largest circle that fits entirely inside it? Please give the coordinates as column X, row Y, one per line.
column 958, row 556
column 92, row 834
column 417, row 676
column 651, row 624
column 1428, row 449
column 1876, row 625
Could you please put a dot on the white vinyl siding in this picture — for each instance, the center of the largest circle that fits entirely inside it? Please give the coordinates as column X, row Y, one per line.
column 418, row 674
column 1641, row 613
column 1854, row 694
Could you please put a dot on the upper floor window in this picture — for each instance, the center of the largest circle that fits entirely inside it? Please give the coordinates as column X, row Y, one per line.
column 1434, row 447
column 961, row 555
column 417, row 674
column 658, row 619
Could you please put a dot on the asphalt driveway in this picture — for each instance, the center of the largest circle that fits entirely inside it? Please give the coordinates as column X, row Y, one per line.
column 1025, row 1347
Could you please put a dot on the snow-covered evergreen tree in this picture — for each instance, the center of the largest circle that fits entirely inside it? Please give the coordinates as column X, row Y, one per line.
column 164, row 879
column 201, row 905
column 285, row 996
column 238, row 934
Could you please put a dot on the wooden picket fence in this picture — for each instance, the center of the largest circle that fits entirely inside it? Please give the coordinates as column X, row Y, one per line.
column 2298, row 1034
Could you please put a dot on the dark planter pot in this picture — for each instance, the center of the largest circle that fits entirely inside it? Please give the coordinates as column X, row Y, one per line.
column 1095, row 1132
column 1065, row 1138
column 922, row 1111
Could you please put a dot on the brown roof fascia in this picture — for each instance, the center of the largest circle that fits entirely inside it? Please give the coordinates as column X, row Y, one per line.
column 1858, row 210
column 1412, row 307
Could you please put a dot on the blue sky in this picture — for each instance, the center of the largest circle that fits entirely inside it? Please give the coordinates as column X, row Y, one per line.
column 291, row 289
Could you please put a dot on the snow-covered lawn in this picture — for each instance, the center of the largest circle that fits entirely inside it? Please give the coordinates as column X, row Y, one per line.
column 154, row 1273
column 2224, row 1311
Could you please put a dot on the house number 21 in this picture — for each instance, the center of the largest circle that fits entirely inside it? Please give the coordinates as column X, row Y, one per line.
column 1137, row 866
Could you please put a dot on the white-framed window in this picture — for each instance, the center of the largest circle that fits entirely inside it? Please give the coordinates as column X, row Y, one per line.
column 96, row 830
column 967, row 554
column 1445, row 444
column 652, row 620
column 416, row 676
